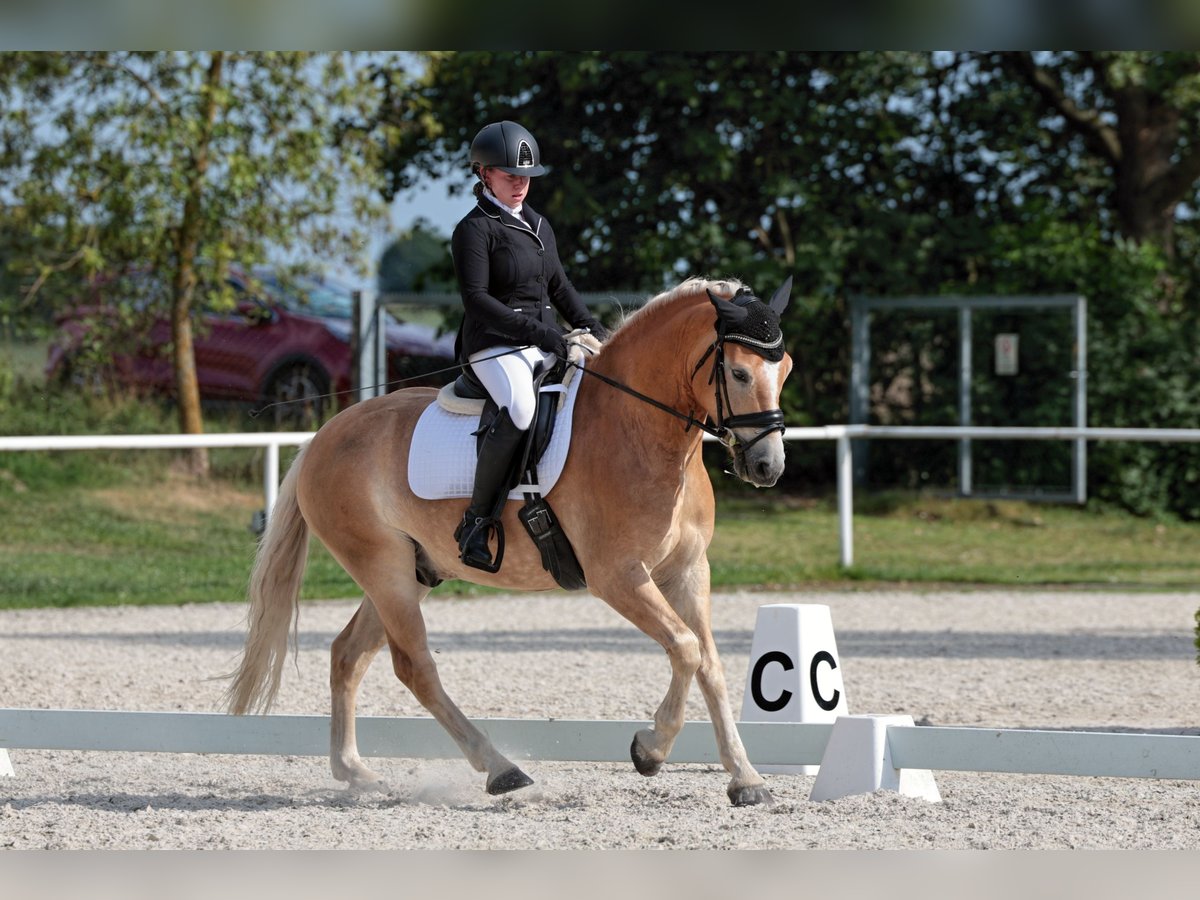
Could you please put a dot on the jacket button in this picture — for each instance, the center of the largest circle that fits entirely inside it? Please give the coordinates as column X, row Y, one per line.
column 541, row 253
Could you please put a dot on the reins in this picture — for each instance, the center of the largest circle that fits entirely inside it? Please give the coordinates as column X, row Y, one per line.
column 387, row 385
column 685, row 417
column 769, row 421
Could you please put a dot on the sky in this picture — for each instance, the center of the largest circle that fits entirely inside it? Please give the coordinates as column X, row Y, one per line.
column 430, row 201
column 433, row 203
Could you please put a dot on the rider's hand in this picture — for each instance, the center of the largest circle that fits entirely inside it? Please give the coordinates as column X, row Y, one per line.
column 553, row 341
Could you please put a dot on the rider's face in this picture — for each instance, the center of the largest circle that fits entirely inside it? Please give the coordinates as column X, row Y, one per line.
column 510, row 190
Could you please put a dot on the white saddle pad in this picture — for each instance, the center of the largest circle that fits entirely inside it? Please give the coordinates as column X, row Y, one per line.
column 441, row 463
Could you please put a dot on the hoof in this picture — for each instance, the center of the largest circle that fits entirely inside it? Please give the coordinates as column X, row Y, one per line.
column 360, row 780
column 510, row 780
column 754, row 795
column 644, row 764
column 368, row 786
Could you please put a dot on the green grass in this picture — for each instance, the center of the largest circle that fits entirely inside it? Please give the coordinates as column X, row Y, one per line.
column 156, row 537
column 103, row 528
column 123, row 527
column 921, row 540
column 156, row 540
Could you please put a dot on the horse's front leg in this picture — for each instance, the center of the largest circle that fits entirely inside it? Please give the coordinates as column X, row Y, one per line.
column 688, row 592
column 637, row 598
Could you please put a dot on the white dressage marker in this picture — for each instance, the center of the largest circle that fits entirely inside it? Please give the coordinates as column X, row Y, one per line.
column 794, row 674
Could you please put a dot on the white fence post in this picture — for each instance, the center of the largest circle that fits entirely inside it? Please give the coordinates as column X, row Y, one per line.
column 270, row 480
column 845, row 480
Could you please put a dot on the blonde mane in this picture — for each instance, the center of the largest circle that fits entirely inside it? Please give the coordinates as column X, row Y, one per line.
column 725, row 287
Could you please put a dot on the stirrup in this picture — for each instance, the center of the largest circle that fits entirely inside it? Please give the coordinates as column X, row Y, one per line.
column 467, row 530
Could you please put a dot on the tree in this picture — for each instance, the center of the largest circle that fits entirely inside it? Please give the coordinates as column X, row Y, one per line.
column 416, row 260
column 668, row 164
column 872, row 173
column 179, row 164
column 1125, row 124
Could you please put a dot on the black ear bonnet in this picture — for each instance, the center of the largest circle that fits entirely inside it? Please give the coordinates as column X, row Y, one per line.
column 749, row 321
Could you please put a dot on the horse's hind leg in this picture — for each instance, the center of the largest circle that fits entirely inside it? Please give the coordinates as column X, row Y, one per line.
column 415, row 667
column 396, row 596
column 350, row 657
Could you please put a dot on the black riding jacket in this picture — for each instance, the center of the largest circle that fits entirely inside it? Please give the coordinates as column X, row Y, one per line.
column 511, row 280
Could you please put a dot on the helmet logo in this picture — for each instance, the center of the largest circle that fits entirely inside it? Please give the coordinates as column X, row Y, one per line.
column 524, row 155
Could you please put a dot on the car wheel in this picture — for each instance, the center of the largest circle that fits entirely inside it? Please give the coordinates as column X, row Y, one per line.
column 297, row 397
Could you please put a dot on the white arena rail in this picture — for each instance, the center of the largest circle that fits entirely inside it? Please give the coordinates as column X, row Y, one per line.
column 564, row 740
column 1076, row 753
column 842, row 434
column 270, row 440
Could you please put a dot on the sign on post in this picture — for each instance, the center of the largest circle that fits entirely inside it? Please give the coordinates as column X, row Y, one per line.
column 1006, row 354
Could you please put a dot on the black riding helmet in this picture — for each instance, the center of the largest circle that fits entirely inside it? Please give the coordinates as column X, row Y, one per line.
column 508, row 147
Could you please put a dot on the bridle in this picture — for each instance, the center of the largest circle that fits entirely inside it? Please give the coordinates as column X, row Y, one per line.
column 768, row 421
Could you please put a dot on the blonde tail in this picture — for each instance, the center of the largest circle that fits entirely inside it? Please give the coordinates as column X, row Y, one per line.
column 274, row 595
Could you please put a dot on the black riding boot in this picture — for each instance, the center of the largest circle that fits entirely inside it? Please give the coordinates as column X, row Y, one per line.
column 493, row 472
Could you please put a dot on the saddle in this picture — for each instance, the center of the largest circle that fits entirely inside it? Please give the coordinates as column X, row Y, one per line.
column 467, row 396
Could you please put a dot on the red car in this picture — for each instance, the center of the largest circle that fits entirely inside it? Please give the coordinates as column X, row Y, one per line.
column 284, row 347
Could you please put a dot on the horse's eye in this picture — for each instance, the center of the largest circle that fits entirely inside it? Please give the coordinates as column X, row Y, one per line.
column 741, row 375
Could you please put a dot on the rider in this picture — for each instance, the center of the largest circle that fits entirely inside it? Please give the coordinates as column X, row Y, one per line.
column 509, row 274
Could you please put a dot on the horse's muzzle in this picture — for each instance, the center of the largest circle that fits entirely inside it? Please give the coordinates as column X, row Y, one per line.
column 760, row 463
column 758, row 458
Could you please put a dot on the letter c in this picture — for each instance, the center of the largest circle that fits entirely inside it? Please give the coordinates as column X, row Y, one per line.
column 824, row 656
column 775, row 656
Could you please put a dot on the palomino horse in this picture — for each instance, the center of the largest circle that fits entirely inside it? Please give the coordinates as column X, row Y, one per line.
column 634, row 499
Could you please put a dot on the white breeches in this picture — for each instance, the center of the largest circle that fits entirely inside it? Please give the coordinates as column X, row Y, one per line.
column 507, row 373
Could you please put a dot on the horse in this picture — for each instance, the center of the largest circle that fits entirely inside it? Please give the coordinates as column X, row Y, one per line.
column 634, row 498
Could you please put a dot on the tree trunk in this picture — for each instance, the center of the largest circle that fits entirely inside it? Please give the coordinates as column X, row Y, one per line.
column 1151, row 175
column 1149, row 134
column 187, row 386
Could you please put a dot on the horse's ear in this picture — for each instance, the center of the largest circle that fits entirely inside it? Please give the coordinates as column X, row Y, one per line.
column 779, row 300
column 727, row 312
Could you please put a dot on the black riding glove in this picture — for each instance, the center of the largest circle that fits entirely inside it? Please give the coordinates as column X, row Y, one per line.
column 553, row 341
